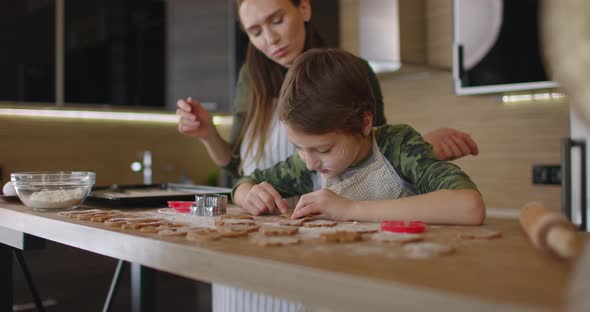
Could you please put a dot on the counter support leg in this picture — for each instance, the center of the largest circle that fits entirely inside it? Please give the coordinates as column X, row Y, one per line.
column 6, row 289
column 114, row 286
column 23, row 265
column 143, row 288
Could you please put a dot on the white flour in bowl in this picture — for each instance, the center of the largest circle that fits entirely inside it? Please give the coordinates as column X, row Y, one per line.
column 56, row 199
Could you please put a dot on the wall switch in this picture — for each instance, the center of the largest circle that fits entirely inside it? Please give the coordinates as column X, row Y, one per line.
column 547, row 174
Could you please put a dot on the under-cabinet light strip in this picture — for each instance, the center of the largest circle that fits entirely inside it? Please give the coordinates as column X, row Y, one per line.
column 532, row 97
column 98, row 115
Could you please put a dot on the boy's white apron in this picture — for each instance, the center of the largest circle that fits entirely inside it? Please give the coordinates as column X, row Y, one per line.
column 377, row 180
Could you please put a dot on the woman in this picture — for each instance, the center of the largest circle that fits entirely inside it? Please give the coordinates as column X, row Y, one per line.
column 279, row 31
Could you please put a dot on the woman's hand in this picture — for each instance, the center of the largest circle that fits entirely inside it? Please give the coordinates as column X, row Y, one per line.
column 194, row 119
column 324, row 202
column 260, row 199
column 450, row 144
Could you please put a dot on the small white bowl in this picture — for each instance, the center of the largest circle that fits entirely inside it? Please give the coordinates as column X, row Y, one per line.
column 53, row 190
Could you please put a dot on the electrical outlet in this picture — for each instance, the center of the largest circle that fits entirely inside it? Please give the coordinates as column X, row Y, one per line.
column 547, row 174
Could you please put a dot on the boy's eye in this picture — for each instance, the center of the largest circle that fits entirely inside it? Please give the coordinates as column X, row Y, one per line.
column 324, row 151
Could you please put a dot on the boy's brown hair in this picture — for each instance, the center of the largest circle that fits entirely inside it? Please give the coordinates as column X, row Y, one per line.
column 326, row 90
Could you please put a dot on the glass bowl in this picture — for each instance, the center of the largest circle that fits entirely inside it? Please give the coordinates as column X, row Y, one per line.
column 53, row 190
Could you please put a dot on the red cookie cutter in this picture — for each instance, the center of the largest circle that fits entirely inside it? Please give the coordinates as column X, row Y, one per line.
column 181, row 206
column 403, row 226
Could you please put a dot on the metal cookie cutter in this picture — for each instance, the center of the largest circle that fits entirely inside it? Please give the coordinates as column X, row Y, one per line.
column 209, row 205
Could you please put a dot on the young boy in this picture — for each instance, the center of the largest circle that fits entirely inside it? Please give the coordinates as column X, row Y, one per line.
column 346, row 169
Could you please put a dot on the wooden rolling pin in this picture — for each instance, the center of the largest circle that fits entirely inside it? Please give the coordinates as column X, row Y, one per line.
column 549, row 230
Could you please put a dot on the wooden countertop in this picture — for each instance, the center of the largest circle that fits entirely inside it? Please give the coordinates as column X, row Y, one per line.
column 506, row 274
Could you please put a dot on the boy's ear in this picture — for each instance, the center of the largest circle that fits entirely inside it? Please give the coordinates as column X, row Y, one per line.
column 367, row 123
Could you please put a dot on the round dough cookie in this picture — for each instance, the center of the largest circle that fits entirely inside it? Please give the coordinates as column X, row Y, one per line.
column 360, row 228
column 425, row 250
column 320, row 223
column 341, row 236
column 117, row 223
column 149, row 229
column 397, row 238
column 177, row 231
column 234, row 222
column 480, row 234
column 204, row 234
column 104, row 217
column 236, row 216
column 289, row 222
column 139, row 225
column 279, row 230
column 268, row 241
column 237, row 230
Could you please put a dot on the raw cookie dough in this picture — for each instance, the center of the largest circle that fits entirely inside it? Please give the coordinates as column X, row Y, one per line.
column 480, row 234
column 425, row 250
column 266, row 241
column 279, row 230
column 398, row 238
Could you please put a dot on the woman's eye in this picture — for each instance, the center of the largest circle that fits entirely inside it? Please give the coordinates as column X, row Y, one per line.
column 324, row 151
column 277, row 20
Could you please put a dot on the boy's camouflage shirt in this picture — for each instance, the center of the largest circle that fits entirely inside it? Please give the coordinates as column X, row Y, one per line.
column 411, row 157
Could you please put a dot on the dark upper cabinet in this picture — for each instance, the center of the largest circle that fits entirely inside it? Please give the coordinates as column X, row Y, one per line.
column 131, row 53
column 115, row 52
column 27, row 53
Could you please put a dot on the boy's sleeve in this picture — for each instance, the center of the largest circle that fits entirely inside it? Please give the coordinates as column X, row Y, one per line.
column 414, row 159
column 289, row 177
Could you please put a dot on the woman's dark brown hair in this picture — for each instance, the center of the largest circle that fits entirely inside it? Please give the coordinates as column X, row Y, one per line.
column 326, row 90
column 266, row 77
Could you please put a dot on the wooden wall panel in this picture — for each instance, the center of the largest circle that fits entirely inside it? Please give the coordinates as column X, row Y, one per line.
column 439, row 33
column 511, row 138
column 412, row 28
column 108, row 148
column 349, row 26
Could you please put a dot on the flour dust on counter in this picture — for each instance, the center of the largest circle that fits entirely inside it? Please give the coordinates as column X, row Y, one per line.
column 277, row 231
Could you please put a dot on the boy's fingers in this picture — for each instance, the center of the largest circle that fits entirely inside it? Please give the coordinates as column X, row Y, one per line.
column 304, row 211
column 268, row 200
column 284, row 206
column 252, row 209
column 276, row 196
column 254, row 206
column 301, row 209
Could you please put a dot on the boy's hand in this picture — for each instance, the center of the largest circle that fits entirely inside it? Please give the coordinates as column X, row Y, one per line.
column 260, row 199
column 323, row 202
